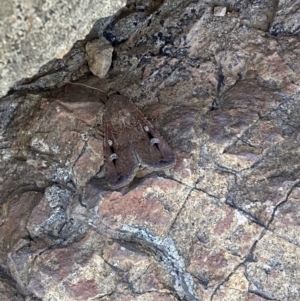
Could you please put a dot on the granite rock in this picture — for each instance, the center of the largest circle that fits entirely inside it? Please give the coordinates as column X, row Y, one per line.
column 34, row 32
column 222, row 224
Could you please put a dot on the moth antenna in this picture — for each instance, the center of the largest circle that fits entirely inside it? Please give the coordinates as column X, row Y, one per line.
column 79, row 84
column 83, row 85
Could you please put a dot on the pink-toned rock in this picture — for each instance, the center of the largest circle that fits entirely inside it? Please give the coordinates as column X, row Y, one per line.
column 213, row 237
column 287, row 220
column 153, row 205
column 222, row 224
column 14, row 215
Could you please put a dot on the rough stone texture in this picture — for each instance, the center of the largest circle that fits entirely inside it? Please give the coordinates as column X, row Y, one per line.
column 34, row 32
column 99, row 56
column 223, row 224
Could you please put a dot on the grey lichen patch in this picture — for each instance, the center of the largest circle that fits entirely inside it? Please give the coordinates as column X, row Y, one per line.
column 165, row 251
column 49, row 216
column 40, row 145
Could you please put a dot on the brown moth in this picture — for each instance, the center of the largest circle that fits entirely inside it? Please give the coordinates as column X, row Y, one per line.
column 131, row 142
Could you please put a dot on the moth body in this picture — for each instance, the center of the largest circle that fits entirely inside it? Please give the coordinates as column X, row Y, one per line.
column 131, row 142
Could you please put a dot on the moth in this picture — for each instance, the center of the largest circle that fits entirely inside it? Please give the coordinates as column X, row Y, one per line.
column 131, row 142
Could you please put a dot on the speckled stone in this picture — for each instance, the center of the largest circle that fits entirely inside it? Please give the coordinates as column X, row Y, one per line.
column 34, row 32
column 222, row 224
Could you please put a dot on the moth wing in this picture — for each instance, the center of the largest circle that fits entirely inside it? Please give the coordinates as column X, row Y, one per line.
column 121, row 170
column 151, row 148
column 130, row 141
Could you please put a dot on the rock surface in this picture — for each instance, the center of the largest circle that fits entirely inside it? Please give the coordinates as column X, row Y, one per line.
column 34, row 32
column 223, row 90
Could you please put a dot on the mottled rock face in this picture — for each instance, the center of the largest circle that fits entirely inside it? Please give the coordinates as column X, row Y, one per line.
column 220, row 82
column 34, row 32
